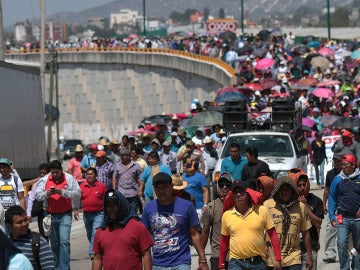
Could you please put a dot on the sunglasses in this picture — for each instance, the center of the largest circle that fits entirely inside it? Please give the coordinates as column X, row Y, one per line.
column 224, row 185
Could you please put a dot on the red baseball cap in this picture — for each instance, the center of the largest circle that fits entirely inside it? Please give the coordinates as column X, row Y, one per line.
column 93, row 146
column 349, row 158
column 346, row 133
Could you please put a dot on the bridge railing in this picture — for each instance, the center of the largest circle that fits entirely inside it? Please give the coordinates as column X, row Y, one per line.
column 198, row 57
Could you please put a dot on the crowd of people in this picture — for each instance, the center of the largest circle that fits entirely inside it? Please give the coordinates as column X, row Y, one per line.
column 146, row 199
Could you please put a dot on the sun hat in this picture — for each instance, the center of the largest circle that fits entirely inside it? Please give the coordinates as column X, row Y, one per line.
column 79, row 148
column 178, row 183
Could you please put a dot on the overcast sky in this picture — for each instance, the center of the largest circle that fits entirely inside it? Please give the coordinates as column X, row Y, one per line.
column 20, row 10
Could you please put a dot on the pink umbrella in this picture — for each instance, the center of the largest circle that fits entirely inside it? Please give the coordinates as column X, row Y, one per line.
column 307, row 122
column 326, row 51
column 323, row 92
column 254, row 86
column 140, row 132
column 264, row 63
column 328, row 83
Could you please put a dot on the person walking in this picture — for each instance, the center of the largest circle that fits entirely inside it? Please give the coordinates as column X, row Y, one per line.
column 172, row 222
column 92, row 196
column 319, row 158
column 211, row 219
column 330, row 237
column 126, row 177
column 22, row 237
column 234, row 164
column 124, row 242
column 242, row 231
column 344, row 210
column 61, row 193
column 35, row 208
column 290, row 219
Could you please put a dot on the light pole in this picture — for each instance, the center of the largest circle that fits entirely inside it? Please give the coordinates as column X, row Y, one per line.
column 328, row 20
column 1, row 34
column 242, row 16
column 144, row 16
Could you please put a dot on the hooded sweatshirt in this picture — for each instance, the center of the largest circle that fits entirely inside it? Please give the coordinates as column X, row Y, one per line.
column 344, row 195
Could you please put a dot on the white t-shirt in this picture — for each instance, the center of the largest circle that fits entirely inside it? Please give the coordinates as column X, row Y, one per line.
column 8, row 191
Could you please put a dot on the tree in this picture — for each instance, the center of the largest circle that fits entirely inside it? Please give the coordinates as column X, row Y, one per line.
column 340, row 18
column 221, row 13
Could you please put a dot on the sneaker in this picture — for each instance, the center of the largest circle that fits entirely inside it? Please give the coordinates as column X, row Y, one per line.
column 329, row 260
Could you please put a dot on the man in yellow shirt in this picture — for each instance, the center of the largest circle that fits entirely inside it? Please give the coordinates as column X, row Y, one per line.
column 242, row 231
column 290, row 219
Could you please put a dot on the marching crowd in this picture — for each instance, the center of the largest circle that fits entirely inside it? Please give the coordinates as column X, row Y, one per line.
column 146, row 200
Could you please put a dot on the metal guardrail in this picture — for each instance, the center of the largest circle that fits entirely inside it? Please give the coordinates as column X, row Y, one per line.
column 28, row 185
column 208, row 59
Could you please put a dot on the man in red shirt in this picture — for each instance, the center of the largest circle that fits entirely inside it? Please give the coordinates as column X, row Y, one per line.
column 124, row 243
column 92, row 196
column 74, row 166
column 61, row 194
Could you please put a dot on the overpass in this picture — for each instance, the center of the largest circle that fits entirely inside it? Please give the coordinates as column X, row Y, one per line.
column 108, row 92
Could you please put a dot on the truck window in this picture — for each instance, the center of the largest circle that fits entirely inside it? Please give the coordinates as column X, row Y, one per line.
column 267, row 145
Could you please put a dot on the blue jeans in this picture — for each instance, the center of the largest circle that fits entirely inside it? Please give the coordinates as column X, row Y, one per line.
column 319, row 173
column 343, row 231
column 92, row 221
column 235, row 264
column 60, row 239
column 178, row 267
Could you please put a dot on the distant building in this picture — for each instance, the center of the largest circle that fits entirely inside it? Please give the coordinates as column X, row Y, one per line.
column 56, row 31
column 22, row 31
column 125, row 16
column 96, row 21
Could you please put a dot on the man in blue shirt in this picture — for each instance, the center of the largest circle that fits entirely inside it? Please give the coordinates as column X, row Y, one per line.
column 235, row 163
column 344, row 200
column 172, row 222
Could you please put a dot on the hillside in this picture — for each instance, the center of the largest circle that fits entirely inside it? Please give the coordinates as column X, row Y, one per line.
column 254, row 9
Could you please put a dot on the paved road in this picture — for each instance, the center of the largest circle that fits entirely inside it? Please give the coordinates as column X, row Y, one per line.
column 79, row 245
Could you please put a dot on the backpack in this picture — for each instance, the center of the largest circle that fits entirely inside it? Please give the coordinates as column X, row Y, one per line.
column 35, row 247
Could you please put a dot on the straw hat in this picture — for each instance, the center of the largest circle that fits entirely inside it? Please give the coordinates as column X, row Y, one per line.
column 178, row 183
column 79, row 148
column 104, row 142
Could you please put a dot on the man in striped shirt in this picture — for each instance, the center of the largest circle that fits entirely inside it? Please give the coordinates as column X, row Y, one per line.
column 21, row 236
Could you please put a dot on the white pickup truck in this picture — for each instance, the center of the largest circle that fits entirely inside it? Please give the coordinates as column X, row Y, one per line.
column 278, row 149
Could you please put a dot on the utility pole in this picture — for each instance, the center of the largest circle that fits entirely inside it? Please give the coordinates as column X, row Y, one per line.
column 328, row 20
column 2, row 58
column 42, row 48
column 144, row 16
column 57, row 106
column 242, row 16
column 50, row 110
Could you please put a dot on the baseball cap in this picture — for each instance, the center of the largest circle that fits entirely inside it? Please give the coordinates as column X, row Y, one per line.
column 156, row 141
column 239, row 184
column 110, row 196
column 226, row 176
column 5, row 161
column 162, row 177
column 316, row 109
column 93, row 146
column 174, row 133
column 349, row 158
column 346, row 133
column 100, row 154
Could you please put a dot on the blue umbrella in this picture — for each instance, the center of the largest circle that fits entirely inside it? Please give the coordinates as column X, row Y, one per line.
column 355, row 55
column 221, row 98
column 313, row 44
